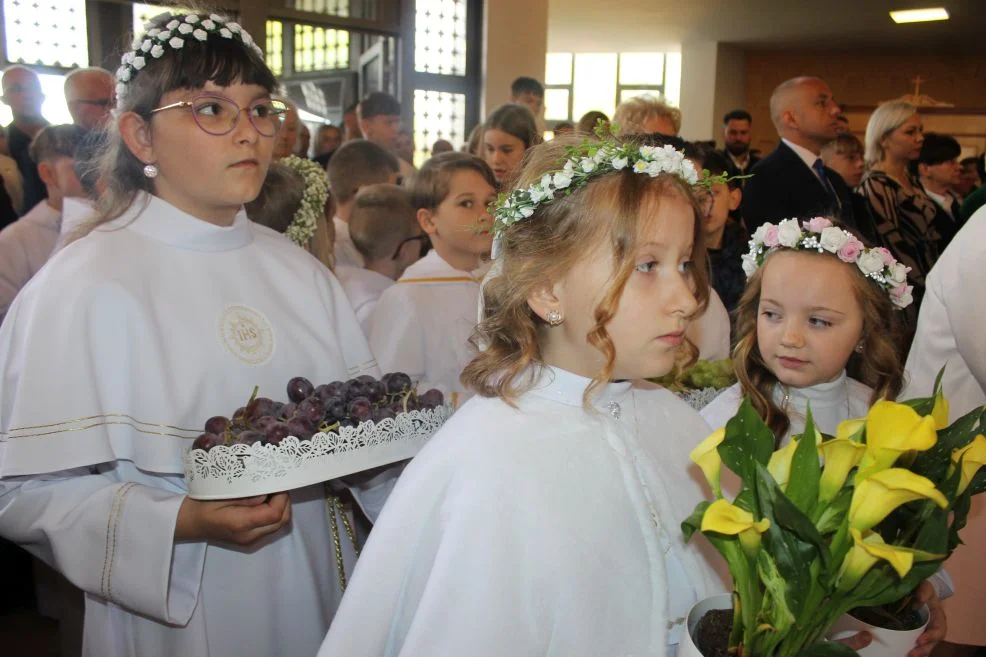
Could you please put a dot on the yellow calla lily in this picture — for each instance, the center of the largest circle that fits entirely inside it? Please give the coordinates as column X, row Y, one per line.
column 706, row 456
column 723, row 517
column 850, row 429
column 875, row 497
column 779, row 465
column 868, row 549
column 940, row 412
column 841, row 455
column 973, row 457
column 891, row 430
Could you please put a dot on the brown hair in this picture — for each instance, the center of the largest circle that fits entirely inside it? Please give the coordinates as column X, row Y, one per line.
column 219, row 60
column 356, row 163
column 517, row 121
column 382, row 218
column 632, row 113
column 878, row 366
column 546, row 246
column 55, row 141
column 430, row 184
column 279, row 198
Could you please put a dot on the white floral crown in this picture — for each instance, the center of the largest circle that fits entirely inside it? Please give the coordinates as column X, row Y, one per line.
column 818, row 234
column 173, row 35
column 584, row 162
column 305, row 221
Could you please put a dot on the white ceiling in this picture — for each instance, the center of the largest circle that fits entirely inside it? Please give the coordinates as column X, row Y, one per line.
column 654, row 25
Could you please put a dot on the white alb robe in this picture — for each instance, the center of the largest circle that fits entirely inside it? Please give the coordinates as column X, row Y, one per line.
column 950, row 333
column 346, row 253
column 363, row 287
column 831, row 403
column 422, row 325
column 542, row 530
column 25, row 247
column 154, row 322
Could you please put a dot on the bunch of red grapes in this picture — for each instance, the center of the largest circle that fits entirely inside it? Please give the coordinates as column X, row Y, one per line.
column 314, row 409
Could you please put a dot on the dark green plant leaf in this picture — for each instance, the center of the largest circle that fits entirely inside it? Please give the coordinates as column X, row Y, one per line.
column 828, row 649
column 693, row 523
column 802, row 486
column 748, row 441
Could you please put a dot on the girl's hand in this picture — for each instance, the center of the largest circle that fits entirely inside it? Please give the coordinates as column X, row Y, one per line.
column 937, row 625
column 857, row 641
column 240, row 521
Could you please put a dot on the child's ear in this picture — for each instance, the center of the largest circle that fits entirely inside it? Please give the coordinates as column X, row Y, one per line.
column 426, row 220
column 46, row 173
column 544, row 299
column 136, row 134
column 735, row 197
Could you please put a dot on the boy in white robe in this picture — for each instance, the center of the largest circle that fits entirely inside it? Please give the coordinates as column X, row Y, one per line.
column 422, row 325
column 385, row 231
column 356, row 164
column 26, row 244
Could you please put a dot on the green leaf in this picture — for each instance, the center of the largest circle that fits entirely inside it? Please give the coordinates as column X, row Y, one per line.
column 774, row 607
column 786, row 515
column 828, row 649
column 832, row 515
column 748, row 442
column 693, row 523
column 934, row 463
column 802, row 487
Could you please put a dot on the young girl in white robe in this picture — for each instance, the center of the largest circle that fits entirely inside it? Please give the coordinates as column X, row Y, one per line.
column 543, row 518
column 168, row 312
column 810, row 315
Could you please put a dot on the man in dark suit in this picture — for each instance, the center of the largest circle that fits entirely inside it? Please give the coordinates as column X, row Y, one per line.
column 793, row 181
column 736, row 130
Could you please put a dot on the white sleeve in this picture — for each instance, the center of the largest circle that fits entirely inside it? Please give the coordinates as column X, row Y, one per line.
column 111, row 539
column 397, row 336
column 942, row 581
column 15, row 267
column 966, row 308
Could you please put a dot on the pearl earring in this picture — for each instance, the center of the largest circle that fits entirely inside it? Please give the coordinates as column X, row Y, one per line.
column 859, row 348
column 555, row 318
column 150, row 171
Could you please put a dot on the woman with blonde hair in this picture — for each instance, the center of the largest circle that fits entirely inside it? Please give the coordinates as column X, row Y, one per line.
column 644, row 115
column 903, row 213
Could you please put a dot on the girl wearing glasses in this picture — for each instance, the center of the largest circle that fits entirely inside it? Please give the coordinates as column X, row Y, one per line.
column 169, row 310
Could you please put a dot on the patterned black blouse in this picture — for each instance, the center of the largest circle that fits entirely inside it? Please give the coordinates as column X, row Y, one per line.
column 904, row 224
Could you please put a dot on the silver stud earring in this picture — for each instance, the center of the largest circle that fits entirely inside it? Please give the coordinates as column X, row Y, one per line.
column 859, row 348
column 555, row 318
column 150, row 171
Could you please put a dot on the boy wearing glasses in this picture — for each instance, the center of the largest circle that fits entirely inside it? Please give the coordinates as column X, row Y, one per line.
column 356, row 164
column 385, row 231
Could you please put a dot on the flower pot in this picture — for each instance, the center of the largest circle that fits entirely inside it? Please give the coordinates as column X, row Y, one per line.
column 688, row 647
column 886, row 643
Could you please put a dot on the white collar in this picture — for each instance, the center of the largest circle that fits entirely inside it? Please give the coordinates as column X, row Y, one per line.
column 833, row 393
column 806, row 155
column 434, row 265
column 162, row 222
column 943, row 201
column 567, row 388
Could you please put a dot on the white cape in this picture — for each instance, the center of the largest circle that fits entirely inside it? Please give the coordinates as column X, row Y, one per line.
column 542, row 530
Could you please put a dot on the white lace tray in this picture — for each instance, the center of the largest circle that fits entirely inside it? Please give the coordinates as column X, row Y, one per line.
column 226, row 472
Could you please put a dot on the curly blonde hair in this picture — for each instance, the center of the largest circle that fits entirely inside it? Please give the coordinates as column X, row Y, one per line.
column 632, row 114
column 878, row 364
column 545, row 247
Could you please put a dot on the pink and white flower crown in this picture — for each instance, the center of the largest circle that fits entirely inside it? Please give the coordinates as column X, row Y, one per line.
column 818, row 234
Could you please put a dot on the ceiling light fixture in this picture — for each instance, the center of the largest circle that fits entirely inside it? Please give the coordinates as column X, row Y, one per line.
column 919, row 15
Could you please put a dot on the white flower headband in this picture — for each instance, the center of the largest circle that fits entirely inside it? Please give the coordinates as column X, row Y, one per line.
column 173, row 35
column 818, row 234
column 584, row 162
column 305, row 221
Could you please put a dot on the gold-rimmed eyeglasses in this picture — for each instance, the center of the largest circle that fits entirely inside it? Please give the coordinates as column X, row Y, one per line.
column 218, row 115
